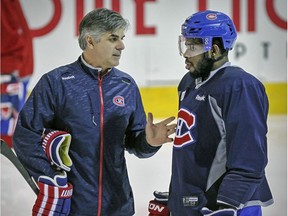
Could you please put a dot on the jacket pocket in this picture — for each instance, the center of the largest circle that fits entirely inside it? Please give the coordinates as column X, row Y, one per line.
column 94, row 107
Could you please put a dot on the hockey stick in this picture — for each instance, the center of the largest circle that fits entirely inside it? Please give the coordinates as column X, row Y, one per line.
column 9, row 154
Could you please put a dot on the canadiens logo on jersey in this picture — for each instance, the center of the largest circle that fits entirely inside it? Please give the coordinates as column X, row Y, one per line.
column 119, row 101
column 185, row 122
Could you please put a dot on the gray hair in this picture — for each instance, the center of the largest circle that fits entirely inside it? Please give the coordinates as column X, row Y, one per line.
column 98, row 22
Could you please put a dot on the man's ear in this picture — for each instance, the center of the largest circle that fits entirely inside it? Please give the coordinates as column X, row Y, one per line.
column 89, row 41
column 215, row 51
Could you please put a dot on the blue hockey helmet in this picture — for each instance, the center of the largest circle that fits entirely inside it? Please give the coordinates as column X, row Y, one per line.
column 208, row 25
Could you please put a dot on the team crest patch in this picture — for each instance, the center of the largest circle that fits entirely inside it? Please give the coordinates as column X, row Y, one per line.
column 185, row 122
column 119, row 101
column 211, row 16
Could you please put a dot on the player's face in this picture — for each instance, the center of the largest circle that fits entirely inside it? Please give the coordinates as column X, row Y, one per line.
column 199, row 65
column 192, row 63
column 107, row 52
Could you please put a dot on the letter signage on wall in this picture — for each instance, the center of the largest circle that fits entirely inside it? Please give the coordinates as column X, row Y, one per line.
column 151, row 54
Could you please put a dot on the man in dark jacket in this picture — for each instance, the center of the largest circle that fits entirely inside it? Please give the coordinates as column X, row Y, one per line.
column 95, row 111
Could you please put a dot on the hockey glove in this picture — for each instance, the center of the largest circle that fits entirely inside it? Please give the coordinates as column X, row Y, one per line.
column 221, row 212
column 54, row 197
column 56, row 146
column 158, row 206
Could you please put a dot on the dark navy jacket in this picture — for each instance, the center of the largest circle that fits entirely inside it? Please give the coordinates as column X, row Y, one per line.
column 220, row 147
column 104, row 116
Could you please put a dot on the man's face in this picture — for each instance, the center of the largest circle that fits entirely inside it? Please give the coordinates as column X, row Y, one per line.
column 107, row 52
column 197, row 60
column 192, row 62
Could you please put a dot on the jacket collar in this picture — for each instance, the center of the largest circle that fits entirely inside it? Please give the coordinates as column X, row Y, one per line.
column 90, row 69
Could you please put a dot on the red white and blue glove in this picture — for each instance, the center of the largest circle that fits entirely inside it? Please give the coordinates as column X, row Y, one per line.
column 55, row 194
column 54, row 197
column 56, row 146
column 158, row 206
column 221, row 212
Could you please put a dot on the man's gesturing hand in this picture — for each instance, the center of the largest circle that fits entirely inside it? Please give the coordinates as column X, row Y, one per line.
column 158, row 134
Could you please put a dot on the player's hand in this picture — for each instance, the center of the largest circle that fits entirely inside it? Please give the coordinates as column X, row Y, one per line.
column 54, row 197
column 158, row 134
column 221, row 212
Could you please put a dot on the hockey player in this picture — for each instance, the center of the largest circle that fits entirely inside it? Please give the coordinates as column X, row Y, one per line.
column 87, row 113
column 16, row 65
column 220, row 149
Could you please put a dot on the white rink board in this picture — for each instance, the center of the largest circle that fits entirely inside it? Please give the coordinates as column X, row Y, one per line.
column 152, row 58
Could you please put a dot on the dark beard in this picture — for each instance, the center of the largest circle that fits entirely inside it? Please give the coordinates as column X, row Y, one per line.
column 203, row 68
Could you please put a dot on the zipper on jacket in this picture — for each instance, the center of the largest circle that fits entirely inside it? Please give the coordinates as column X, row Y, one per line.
column 101, row 147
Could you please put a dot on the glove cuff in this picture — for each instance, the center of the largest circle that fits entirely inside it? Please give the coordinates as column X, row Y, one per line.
column 221, row 212
column 161, row 197
column 55, row 191
column 56, row 187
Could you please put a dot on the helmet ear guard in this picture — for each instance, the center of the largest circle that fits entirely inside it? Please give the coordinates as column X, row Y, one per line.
column 208, row 25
